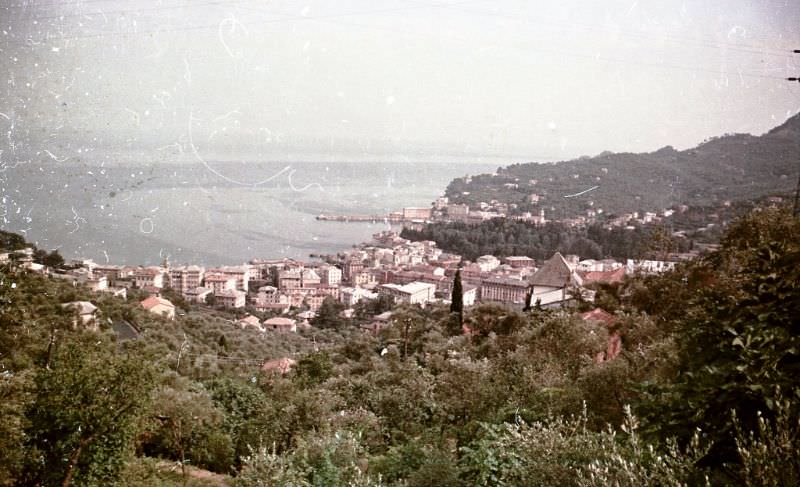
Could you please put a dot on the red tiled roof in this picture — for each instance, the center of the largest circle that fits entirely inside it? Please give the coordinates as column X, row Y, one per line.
column 609, row 277
column 154, row 301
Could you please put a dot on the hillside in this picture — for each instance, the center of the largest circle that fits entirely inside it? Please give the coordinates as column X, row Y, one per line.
column 730, row 167
column 490, row 396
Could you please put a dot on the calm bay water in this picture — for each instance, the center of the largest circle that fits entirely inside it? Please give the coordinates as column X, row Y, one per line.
column 220, row 213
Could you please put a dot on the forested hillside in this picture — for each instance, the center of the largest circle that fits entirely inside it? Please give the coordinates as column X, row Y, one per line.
column 501, row 237
column 504, row 237
column 731, row 167
column 705, row 390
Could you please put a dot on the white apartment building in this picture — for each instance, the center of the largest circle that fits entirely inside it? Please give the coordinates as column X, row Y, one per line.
column 220, row 282
column 330, row 275
column 240, row 272
column 350, row 296
column 412, row 293
column 184, row 278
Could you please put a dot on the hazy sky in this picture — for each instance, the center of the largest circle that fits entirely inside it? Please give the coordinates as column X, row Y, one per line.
column 515, row 81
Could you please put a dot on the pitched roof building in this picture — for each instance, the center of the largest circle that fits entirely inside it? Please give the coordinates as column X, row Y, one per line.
column 283, row 325
column 250, row 321
column 608, row 277
column 159, row 306
column 554, row 283
column 87, row 313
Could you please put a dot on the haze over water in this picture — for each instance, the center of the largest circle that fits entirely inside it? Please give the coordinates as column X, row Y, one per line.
column 115, row 113
column 138, row 214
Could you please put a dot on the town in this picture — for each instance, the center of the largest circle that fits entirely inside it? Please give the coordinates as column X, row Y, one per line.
column 288, row 293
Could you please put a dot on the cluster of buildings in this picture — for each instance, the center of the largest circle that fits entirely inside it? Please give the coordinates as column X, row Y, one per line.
column 419, row 273
column 409, row 272
column 444, row 210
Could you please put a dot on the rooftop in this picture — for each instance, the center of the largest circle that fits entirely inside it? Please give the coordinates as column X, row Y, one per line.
column 83, row 307
column 555, row 272
column 154, row 301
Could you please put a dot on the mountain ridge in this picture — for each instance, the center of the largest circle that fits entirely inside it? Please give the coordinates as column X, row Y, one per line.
column 729, row 167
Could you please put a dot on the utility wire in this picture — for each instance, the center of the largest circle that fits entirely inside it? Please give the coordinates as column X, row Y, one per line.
column 638, row 34
column 796, row 208
column 130, row 11
column 331, row 18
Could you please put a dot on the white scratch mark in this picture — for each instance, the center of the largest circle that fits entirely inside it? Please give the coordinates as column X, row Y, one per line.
column 76, row 220
column 582, row 192
column 227, row 115
column 231, row 20
column 309, row 185
column 146, row 225
column 188, row 74
column 219, row 174
column 54, row 157
column 176, row 145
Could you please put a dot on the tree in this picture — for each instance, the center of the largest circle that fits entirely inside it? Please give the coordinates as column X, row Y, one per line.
column 313, row 369
column 456, row 306
column 175, row 298
column 494, row 318
column 328, row 314
column 457, row 297
column 407, row 330
column 566, row 452
column 240, row 401
column 190, row 428
column 738, row 338
column 367, row 308
column 528, row 299
column 85, row 411
column 52, row 259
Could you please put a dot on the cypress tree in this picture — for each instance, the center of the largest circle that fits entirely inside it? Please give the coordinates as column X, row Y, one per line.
column 457, row 297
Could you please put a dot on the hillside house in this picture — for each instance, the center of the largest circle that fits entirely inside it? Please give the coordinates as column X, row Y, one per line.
column 281, row 325
column 250, row 321
column 86, row 313
column 159, row 306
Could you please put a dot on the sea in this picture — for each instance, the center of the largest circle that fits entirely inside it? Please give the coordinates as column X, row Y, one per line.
column 211, row 213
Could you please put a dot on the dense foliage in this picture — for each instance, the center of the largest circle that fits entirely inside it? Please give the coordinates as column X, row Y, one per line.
column 502, row 237
column 738, row 335
column 708, row 367
column 11, row 242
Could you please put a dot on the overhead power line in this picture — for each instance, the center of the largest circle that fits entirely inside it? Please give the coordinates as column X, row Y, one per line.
column 129, row 11
column 335, row 19
column 709, row 43
column 796, row 208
